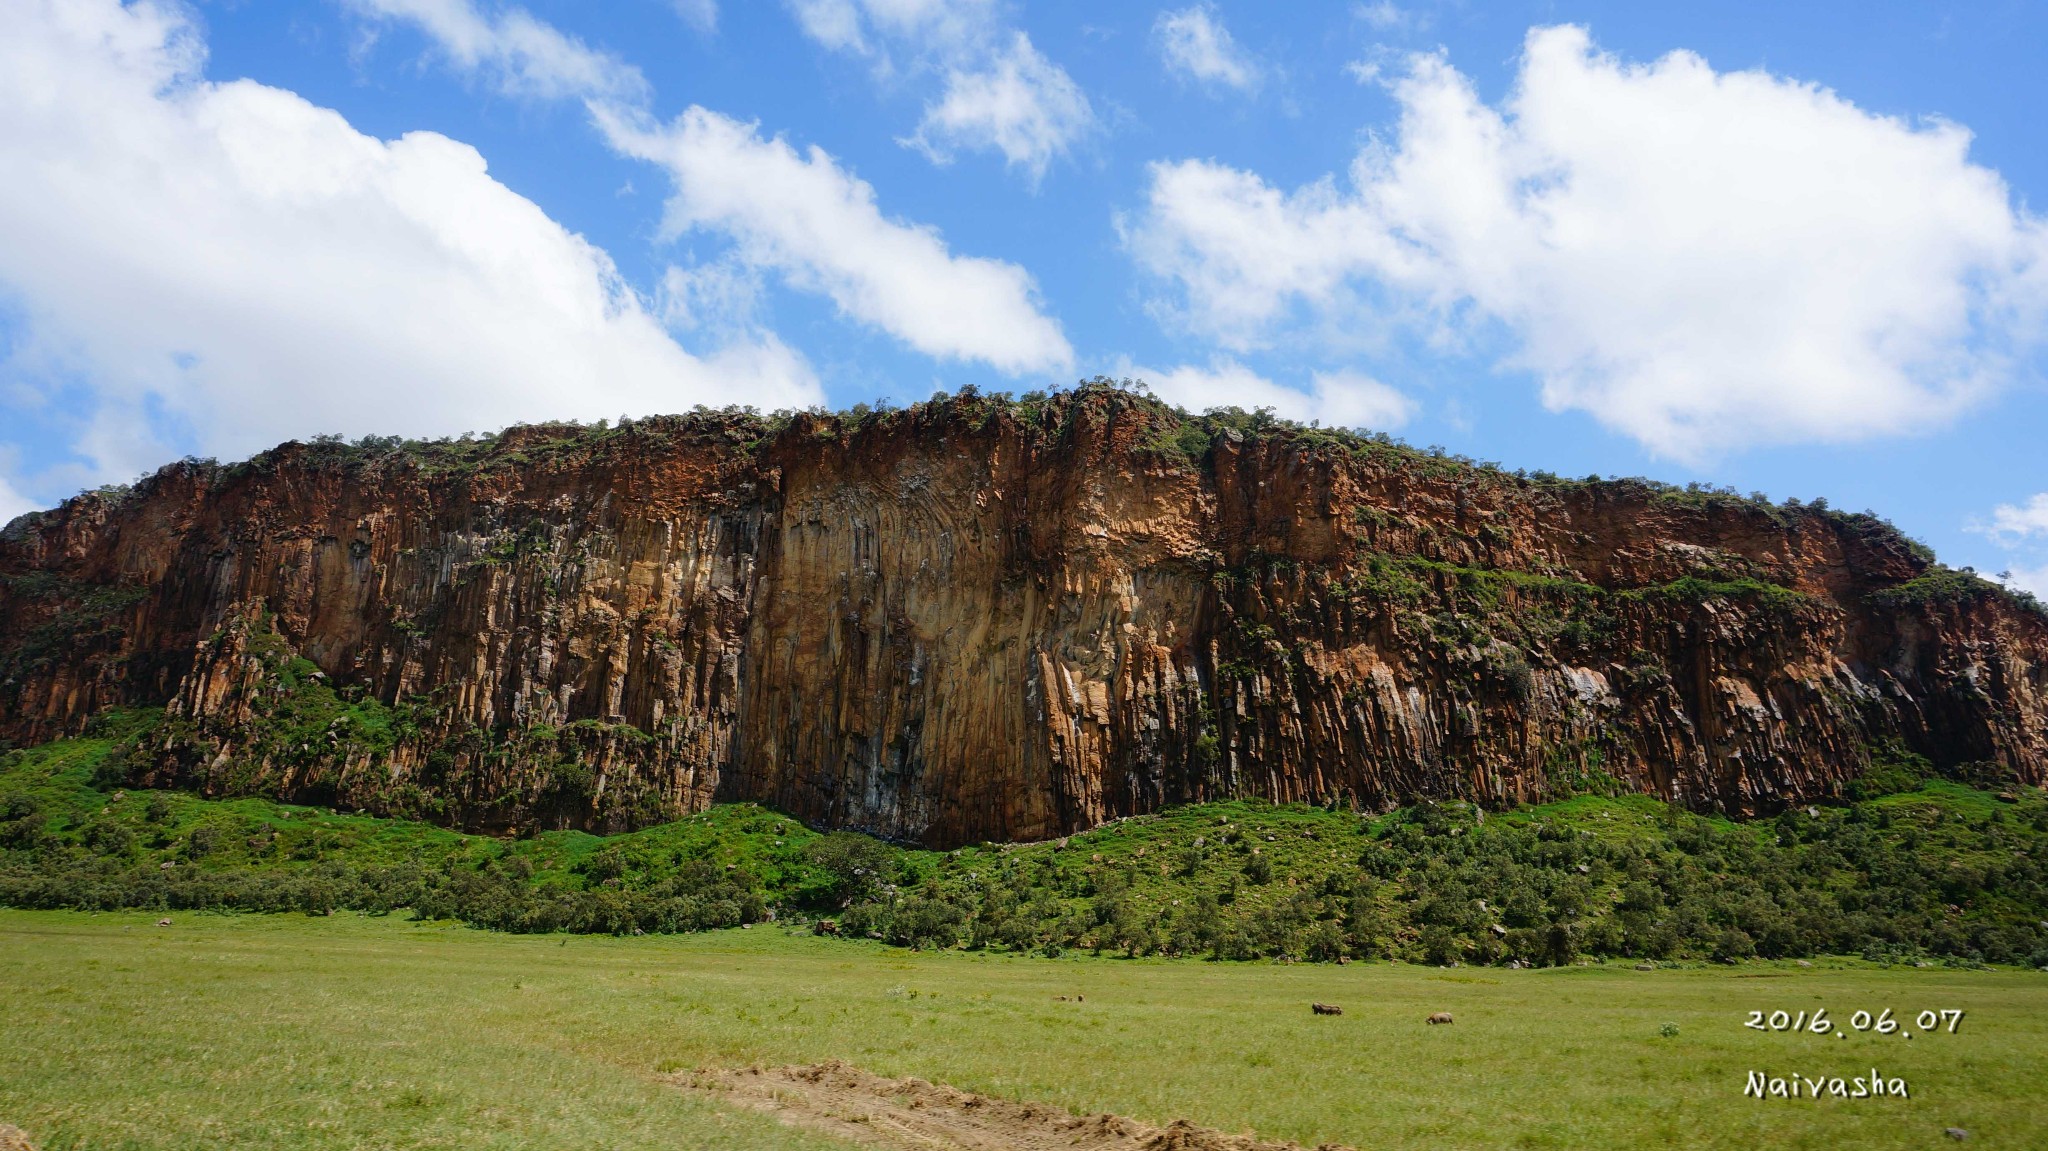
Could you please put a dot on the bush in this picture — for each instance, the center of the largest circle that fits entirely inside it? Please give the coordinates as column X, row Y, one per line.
column 925, row 922
column 1734, row 944
column 108, row 837
column 1941, row 873
column 112, row 769
column 21, row 821
column 856, row 865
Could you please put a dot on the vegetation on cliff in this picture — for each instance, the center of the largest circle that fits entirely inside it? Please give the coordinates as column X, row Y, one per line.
column 1033, row 615
column 1919, row 867
column 1176, row 437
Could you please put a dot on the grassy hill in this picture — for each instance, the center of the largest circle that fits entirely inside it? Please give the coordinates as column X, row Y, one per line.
column 1921, row 870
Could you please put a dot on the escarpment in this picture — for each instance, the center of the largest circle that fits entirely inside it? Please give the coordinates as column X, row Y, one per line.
column 985, row 619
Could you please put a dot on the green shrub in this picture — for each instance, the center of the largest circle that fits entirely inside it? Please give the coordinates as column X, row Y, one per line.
column 925, row 922
column 1942, row 872
column 856, row 865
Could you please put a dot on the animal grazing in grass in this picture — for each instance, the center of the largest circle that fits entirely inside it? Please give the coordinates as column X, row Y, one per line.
column 1326, row 1009
column 1440, row 1017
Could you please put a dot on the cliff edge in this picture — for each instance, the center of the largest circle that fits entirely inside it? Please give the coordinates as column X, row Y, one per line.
column 989, row 619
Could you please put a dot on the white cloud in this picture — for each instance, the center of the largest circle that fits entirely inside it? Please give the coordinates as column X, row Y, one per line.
column 247, row 266
column 816, row 224
column 1336, row 399
column 805, row 218
column 720, row 296
column 1355, row 400
column 524, row 56
column 1195, row 43
column 820, row 228
column 1701, row 260
column 1000, row 93
column 941, row 28
column 1020, row 104
column 2019, row 521
column 2021, row 529
column 2033, row 580
column 1384, row 15
column 699, row 14
column 13, row 503
column 834, row 24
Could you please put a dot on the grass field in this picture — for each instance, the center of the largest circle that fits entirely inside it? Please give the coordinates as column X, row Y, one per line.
column 350, row 1031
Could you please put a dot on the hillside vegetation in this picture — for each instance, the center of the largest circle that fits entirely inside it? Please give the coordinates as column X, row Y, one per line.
column 1919, row 869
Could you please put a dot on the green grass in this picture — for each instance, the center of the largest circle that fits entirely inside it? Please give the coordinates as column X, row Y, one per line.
column 1941, row 869
column 360, row 1032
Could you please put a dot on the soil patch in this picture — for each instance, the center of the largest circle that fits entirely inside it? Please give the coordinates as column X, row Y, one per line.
column 913, row 1115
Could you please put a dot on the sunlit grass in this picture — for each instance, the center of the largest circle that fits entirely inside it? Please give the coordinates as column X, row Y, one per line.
column 296, row 1032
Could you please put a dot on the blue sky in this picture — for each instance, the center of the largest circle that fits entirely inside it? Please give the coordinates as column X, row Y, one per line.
column 1780, row 248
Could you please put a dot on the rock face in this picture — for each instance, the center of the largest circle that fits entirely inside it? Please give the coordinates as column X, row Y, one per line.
column 981, row 619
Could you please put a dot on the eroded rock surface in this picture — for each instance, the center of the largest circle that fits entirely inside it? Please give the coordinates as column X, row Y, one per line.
column 983, row 620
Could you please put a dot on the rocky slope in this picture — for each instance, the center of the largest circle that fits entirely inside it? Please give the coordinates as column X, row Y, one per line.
column 989, row 619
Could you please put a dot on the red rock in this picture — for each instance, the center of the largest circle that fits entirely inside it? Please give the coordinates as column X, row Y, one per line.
column 971, row 622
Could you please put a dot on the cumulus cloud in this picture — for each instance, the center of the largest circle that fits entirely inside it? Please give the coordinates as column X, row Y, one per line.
column 2013, row 522
column 1020, row 104
column 1337, row 399
column 818, row 226
column 998, row 92
column 522, row 55
column 226, row 265
column 1700, row 260
column 1195, row 44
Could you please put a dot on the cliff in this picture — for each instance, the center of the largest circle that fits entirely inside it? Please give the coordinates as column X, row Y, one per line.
column 989, row 619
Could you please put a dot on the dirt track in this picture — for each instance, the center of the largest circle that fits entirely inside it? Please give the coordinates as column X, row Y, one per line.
column 913, row 1115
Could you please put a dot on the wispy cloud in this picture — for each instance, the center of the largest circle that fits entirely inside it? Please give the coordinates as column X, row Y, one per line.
column 998, row 92
column 12, row 502
column 803, row 217
column 1385, row 15
column 820, row 228
column 2028, row 579
column 699, row 14
column 1195, row 44
column 1336, row 399
column 520, row 54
